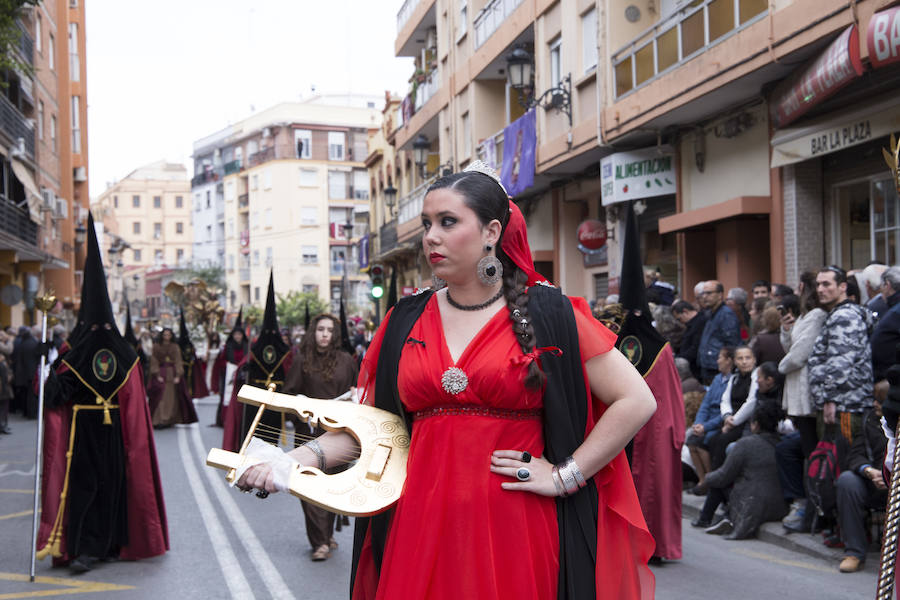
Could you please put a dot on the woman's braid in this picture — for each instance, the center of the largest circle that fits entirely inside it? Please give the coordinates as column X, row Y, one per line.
column 514, row 280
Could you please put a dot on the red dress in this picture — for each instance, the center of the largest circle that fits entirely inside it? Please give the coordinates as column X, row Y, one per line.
column 455, row 531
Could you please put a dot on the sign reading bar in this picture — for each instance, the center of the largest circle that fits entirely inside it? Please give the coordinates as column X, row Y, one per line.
column 639, row 174
column 883, row 37
column 837, row 66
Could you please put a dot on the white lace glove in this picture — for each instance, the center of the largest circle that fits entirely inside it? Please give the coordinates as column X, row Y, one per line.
column 259, row 452
column 892, row 442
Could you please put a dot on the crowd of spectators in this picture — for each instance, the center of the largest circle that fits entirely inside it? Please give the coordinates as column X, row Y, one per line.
column 779, row 372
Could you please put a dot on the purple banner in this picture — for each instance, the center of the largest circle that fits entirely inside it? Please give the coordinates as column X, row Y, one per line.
column 519, row 141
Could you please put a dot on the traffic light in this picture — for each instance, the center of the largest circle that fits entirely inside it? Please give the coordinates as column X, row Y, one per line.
column 376, row 273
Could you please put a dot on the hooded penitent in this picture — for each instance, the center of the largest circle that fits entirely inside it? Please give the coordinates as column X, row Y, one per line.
column 232, row 353
column 97, row 431
column 656, row 452
column 268, row 363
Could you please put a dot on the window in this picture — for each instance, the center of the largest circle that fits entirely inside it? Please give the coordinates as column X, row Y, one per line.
column 74, row 62
column 231, row 262
column 360, row 184
column 208, row 199
column 267, row 179
column 336, row 145
column 53, row 132
column 467, row 135
column 209, row 233
column 40, row 123
column 254, row 182
column 115, row 202
column 179, row 201
column 157, row 202
column 555, row 65
column 76, row 125
column 589, row 40
column 239, row 155
column 38, row 43
column 309, row 215
column 179, row 228
column 309, row 177
column 230, row 227
column 229, row 191
column 256, row 258
column 51, row 51
column 463, row 23
column 256, row 294
column 269, row 256
column 310, row 255
column 158, row 257
column 310, row 288
column 254, row 220
column 136, row 227
column 303, row 143
column 136, row 255
column 179, row 255
column 157, row 231
column 135, row 202
column 252, row 148
column 267, row 218
column 337, row 185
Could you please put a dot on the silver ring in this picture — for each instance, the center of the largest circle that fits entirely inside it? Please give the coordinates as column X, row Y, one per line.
column 523, row 474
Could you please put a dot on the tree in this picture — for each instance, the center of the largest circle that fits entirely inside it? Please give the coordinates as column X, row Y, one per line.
column 213, row 275
column 291, row 307
column 11, row 36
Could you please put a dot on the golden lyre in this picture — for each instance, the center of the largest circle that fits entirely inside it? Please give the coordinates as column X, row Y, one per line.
column 372, row 484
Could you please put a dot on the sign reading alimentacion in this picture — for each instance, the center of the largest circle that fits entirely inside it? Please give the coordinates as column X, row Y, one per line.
column 638, row 174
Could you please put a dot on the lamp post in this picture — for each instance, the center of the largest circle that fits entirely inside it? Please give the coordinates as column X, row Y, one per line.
column 520, row 73
column 421, row 146
column 390, row 198
column 80, row 234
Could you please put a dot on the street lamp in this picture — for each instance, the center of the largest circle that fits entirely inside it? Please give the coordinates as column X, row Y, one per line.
column 520, row 69
column 390, row 198
column 80, row 234
column 421, row 146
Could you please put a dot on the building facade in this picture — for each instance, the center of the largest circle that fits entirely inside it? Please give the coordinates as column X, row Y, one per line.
column 287, row 189
column 43, row 152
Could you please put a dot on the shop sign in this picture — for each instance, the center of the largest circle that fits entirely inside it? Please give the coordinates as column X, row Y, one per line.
column 883, row 37
column 837, row 66
column 591, row 236
column 639, row 174
column 407, row 290
column 837, row 134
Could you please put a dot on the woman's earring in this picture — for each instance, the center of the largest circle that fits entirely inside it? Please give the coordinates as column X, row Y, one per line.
column 437, row 282
column 489, row 270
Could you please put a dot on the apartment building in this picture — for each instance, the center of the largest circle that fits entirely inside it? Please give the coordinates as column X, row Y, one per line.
column 463, row 101
column 772, row 116
column 287, row 189
column 147, row 218
column 43, row 163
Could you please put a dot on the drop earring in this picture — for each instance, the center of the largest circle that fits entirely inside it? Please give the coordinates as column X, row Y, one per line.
column 489, row 269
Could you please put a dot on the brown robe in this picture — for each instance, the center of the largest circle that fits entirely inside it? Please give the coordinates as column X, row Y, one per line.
column 164, row 402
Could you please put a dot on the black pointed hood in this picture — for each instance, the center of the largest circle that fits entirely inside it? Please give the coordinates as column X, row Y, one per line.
column 231, row 345
column 129, row 332
column 184, row 341
column 269, row 350
column 392, row 291
column 638, row 339
column 346, row 344
column 100, row 356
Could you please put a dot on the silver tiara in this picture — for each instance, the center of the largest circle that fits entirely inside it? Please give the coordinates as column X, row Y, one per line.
column 482, row 167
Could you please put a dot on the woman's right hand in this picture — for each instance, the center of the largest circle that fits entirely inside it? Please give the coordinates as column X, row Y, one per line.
column 698, row 429
column 258, row 477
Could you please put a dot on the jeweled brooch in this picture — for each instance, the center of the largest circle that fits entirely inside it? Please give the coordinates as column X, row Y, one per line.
column 454, row 380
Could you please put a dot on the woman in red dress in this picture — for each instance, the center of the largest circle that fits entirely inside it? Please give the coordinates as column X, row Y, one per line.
column 517, row 485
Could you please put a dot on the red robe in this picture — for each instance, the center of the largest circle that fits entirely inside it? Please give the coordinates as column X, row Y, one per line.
column 148, row 533
column 656, row 459
column 198, row 377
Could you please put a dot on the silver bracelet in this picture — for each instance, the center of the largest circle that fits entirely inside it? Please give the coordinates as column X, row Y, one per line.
column 568, row 477
column 557, row 482
column 579, row 476
column 316, row 449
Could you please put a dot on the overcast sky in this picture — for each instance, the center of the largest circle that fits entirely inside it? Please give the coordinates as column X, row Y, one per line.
column 162, row 74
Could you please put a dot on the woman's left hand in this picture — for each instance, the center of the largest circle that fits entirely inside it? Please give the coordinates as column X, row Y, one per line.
column 508, row 463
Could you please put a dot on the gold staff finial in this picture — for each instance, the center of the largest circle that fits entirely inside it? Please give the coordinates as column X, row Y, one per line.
column 45, row 302
column 892, row 159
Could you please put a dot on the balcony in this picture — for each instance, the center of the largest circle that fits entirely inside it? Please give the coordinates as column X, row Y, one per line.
column 15, row 221
column 406, row 11
column 336, row 231
column 25, row 45
column 687, row 33
column 411, row 204
column 14, row 124
column 258, row 158
column 233, row 166
column 337, row 268
column 490, row 151
column 426, row 90
column 243, row 202
column 491, row 17
column 244, row 274
column 208, row 176
column 387, row 237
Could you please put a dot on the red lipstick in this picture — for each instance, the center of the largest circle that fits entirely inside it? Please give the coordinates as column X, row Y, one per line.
column 435, row 257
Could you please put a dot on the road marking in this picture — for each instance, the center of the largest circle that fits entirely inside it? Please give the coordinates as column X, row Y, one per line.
column 18, row 514
column 70, row 586
column 228, row 562
column 790, row 563
column 2, row 491
column 270, row 575
column 5, row 473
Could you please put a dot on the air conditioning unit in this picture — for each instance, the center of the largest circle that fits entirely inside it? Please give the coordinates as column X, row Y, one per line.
column 266, row 132
column 62, row 208
column 79, row 174
column 48, row 199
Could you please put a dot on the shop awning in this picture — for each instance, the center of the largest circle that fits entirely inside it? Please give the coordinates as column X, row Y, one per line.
column 730, row 209
column 827, row 135
column 22, row 174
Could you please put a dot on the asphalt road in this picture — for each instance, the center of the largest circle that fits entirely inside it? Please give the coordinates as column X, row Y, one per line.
column 225, row 544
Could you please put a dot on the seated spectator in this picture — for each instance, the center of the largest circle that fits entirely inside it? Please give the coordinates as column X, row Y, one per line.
column 748, row 481
column 738, row 404
column 691, row 389
column 694, row 322
column 766, row 345
column 861, row 487
column 736, row 300
column 760, row 289
column 667, row 325
column 709, row 419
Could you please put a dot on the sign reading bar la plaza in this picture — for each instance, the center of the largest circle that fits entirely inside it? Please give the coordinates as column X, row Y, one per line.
column 638, row 174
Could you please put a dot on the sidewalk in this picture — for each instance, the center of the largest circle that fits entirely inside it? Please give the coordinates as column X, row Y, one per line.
column 774, row 533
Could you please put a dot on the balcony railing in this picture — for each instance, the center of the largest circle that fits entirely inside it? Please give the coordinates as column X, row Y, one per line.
column 26, row 44
column 233, row 166
column 337, row 267
column 14, row 124
column 406, row 11
column 258, row 158
column 411, row 204
column 490, row 150
column 207, row 176
column 244, row 202
column 427, row 89
column 15, row 221
column 387, row 236
column 491, row 17
column 687, row 33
